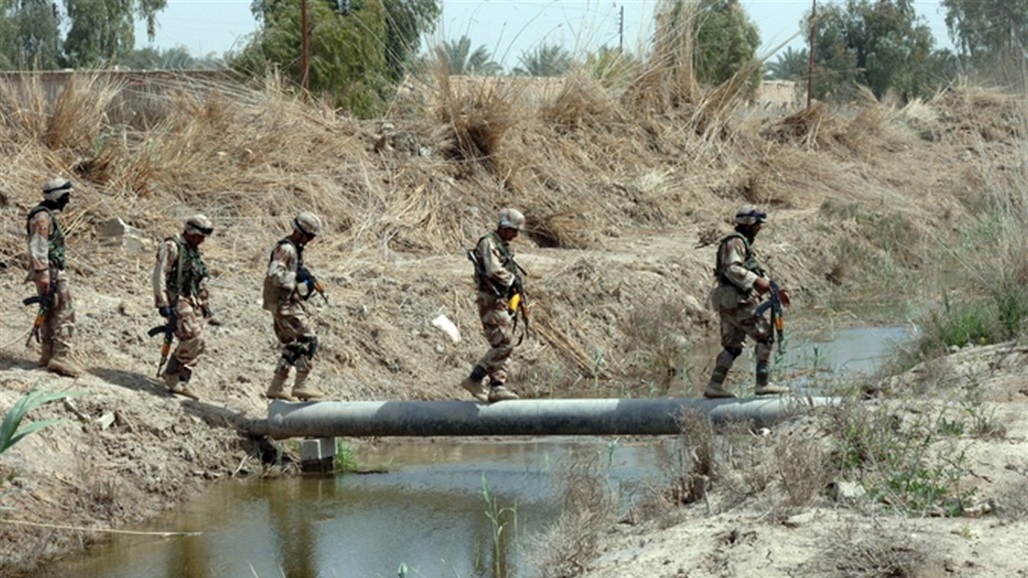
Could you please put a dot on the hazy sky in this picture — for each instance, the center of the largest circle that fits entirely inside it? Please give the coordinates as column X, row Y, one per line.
column 505, row 27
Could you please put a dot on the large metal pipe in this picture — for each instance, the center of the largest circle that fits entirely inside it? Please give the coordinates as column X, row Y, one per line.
column 521, row 418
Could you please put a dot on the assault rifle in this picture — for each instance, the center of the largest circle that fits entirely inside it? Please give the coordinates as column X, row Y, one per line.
column 168, row 329
column 774, row 303
column 44, row 302
column 316, row 287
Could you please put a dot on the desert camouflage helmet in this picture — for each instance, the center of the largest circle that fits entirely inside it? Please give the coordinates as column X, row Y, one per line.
column 749, row 215
column 200, row 225
column 307, row 222
column 56, row 188
column 511, row 219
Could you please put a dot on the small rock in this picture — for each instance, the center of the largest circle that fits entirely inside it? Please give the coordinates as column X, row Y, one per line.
column 846, row 490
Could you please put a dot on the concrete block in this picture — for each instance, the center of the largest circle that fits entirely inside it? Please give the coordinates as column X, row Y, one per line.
column 317, row 454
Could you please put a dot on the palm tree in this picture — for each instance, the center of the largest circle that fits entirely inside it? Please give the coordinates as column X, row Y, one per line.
column 791, row 65
column 546, row 60
column 462, row 60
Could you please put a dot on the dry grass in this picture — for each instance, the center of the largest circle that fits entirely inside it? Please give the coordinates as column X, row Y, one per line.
column 587, row 507
column 657, row 344
column 869, row 551
column 582, row 102
column 477, row 120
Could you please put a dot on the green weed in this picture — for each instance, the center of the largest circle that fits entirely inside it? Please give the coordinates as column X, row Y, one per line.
column 346, row 457
column 904, row 463
column 11, row 431
column 504, row 524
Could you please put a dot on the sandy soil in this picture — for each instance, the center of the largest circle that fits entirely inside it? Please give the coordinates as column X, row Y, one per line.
column 592, row 306
column 758, row 537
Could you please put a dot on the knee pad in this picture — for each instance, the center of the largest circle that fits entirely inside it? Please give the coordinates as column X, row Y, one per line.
column 734, row 351
column 309, row 343
column 292, row 352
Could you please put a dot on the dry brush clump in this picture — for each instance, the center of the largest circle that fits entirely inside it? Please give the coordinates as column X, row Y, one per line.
column 588, row 504
column 870, row 550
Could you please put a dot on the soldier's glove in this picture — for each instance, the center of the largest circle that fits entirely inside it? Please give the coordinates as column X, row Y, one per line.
column 207, row 312
column 165, row 312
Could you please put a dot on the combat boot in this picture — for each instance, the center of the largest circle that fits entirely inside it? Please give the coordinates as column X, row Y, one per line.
column 277, row 389
column 46, row 353
column 182, row 388
column 474, row 384
column 715, row 387
column 716, row 390
column 62, row 364
column 170, row 374
column 302, row 391
column 499, row 392
column 771, row 389
column 764, row 385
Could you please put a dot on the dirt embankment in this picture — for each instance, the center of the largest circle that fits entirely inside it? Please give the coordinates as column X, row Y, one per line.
column 623, row 211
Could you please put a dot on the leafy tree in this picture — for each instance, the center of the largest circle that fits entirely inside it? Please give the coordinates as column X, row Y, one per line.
column 789, row 65
column 462, row 60
column 610, row 66
column 881, row 44
column 406, row 22
column 178, row 58
column 726, row 40
column 545, row 60
column 357, row 49
column 29, row 35
column 988, row 29
column 98, row 31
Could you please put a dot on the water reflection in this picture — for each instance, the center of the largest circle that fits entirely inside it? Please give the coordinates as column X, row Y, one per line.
column 429, row 513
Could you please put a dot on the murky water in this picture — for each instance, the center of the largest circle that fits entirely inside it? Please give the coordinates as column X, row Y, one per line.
column 430, row 512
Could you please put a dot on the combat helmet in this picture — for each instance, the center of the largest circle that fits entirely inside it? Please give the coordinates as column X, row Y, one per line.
column 748, row 215
column 511, row 219
column 200, row 225
column 54, row 189
column 308, row 223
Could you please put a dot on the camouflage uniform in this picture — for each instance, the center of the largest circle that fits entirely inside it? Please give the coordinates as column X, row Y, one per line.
column 736, row 299
column 48, row 271
column 292, row 324
column 497, row 279
column 180, row 286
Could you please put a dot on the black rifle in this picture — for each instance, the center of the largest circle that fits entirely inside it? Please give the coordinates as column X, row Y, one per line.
column 777, row 321
column 168, row 329
column 315, row 287
column 44, row 301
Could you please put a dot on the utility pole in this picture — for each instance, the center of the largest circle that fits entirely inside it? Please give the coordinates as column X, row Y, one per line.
column 305, row 80
column 621, row 31
column 810, row 53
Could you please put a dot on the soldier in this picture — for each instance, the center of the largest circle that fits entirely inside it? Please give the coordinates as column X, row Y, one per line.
column 496, row 274
column 180, row 294
column 740, row 282
column 47, row 262
column 287, row 286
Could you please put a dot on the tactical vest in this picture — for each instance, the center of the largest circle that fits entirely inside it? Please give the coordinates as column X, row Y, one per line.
column 506, row 260
column 187, row 272
column 749, row 263
column 297, row 248
column 55, row 248
column 272, row 293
